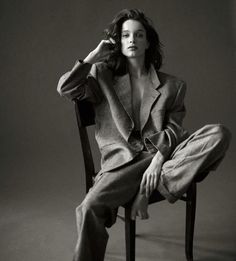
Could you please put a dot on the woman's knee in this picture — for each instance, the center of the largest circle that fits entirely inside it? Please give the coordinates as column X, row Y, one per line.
column 91, row 209
column 89, row 204
column 220, row 134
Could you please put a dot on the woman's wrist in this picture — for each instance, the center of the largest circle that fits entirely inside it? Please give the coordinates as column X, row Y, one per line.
column 90, row 58
column 158, row 158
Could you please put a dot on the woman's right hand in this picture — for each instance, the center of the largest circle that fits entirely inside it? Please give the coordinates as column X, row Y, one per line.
column 101, row 52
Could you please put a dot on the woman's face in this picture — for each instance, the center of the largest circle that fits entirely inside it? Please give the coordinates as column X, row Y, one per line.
column 133, row 39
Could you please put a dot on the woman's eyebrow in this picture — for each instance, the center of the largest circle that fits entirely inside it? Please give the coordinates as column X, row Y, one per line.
column 139, row 30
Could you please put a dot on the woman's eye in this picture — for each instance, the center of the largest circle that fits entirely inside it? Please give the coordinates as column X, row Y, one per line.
column 140, row 35
column 125, row 35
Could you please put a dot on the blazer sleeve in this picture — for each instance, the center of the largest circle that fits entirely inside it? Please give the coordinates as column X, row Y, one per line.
column 81, row 83
column 173, row 133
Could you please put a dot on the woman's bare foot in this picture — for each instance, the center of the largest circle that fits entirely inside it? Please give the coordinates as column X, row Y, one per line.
column 140, row 207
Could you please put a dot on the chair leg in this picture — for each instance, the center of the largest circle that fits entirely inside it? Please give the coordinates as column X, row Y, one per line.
column 129, row 235
column 190, row 221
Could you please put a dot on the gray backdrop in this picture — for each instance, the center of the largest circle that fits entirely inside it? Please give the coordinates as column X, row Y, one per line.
column 40, row 40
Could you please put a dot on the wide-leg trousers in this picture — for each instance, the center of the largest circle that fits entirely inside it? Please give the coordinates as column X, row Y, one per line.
column 202, row 151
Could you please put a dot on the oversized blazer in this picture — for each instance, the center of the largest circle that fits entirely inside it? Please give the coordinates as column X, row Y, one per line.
column 161, row 113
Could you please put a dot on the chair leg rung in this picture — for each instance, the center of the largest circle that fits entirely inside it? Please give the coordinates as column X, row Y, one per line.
column 189, row 229
column 190, row 221
column 129, row 235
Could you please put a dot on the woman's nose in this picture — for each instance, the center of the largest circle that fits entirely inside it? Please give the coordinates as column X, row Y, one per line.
column 132, row 39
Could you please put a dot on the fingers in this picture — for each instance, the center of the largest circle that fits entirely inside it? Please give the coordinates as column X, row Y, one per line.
column 142, row 215
column 104, row 48
column 112, row 40
column 151, row 184
column 142, row 184
column 155, row 182
column 135, row 212
column 148, row 185
column 109, row 44
column 139, row 207
column 105, row 42
column 147, row 188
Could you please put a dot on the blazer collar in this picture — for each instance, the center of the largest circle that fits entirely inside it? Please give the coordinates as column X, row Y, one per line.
column 154, row 77
column 123, row 90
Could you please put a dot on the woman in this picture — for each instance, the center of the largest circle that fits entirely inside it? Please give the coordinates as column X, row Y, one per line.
column 138, row 113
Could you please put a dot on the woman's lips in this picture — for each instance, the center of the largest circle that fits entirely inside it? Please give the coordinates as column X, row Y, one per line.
column 132, row 47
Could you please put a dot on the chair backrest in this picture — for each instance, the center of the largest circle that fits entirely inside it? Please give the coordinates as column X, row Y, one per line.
column 85, row 117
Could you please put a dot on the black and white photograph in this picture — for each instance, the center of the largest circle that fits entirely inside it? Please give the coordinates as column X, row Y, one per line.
column 117, row 130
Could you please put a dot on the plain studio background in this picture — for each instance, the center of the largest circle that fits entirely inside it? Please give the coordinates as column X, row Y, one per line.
column 42, row 180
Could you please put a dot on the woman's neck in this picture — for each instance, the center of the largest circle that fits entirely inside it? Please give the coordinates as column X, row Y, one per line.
column 137, row 67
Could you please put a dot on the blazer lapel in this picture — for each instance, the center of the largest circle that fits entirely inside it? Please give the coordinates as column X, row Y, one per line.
column 122, row 87
column 121, row 107
column 150, row 95
column 123, row 91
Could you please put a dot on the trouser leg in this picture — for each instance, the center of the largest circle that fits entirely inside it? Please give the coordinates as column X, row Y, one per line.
column 201, row 152
column 98, row 210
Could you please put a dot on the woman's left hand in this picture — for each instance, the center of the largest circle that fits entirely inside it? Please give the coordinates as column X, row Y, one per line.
column 151, row 175
column 140, row 207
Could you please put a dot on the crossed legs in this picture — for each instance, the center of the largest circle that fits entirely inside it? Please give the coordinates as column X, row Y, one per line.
column 202, row 151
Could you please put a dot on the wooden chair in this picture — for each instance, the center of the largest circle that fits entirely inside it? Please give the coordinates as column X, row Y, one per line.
column 85, row 117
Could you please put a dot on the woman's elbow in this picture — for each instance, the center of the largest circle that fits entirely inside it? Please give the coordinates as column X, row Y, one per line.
column 61, row 86
column 59, row 90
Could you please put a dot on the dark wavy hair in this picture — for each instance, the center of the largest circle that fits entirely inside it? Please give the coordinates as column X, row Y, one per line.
column 153, row 55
